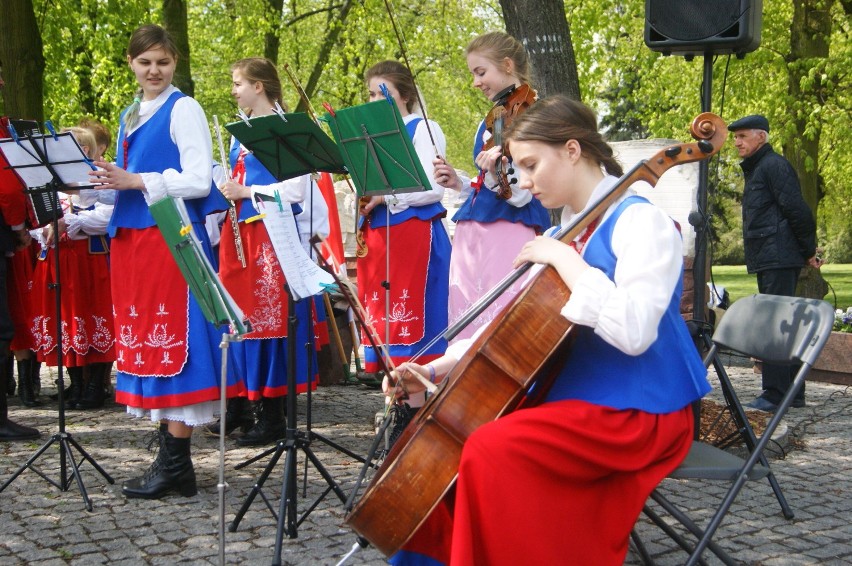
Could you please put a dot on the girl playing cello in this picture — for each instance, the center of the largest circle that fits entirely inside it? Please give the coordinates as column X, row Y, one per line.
column 574, row 471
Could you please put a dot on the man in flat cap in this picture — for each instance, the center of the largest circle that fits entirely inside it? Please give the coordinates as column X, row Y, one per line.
column 779, row 234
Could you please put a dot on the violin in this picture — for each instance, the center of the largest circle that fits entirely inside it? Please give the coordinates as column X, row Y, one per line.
column 508, row 104
column 520, row 348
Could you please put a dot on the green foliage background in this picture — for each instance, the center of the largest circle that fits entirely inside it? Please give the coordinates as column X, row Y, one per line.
column 638, row 93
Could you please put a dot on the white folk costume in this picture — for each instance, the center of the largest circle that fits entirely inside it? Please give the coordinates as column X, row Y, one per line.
column 169, row 360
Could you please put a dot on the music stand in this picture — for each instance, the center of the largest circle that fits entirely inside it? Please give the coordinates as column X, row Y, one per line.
column 48, row 164
column 289, row 145
column 216, row 304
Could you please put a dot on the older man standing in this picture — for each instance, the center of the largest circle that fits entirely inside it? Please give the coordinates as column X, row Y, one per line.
column 779, row 234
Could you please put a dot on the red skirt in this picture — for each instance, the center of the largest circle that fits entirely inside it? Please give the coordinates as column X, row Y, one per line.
column 561, row 483
column 19, row 291
column 88, row 331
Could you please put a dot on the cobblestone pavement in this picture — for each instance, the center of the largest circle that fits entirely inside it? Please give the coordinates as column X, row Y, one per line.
column 39, row 524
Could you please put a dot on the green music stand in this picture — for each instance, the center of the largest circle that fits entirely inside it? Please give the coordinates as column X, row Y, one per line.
column 288, row 145
column 377, row 149
column 216, row 303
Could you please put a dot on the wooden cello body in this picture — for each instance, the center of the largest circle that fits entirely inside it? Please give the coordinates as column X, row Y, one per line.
column 517, row 350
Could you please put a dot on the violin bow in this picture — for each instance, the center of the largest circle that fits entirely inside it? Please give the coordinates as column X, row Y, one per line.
column 401, row 43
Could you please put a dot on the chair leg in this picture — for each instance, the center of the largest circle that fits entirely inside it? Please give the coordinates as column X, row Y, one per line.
column 699, row 533
column 644, row 556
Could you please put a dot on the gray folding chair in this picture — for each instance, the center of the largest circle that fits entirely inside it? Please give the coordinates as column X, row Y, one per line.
column 781, row 330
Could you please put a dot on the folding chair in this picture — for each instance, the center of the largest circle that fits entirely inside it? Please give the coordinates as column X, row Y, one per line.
column 781, row 330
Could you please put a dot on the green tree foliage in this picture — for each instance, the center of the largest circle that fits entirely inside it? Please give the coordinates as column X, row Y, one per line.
column 637, row 92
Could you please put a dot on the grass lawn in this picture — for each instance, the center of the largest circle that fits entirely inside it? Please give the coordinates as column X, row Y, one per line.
column 739, row 283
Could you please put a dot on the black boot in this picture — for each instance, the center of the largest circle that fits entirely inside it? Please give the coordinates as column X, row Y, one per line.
column 75, row 390
column 238, row 414
column 93, row 393
column 25, row 383
column 9, row 368
column 36, row 376
column 270, row 424
column 10, row 430
column 171, row 470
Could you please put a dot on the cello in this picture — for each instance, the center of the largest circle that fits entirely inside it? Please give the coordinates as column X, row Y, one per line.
column 517, row 350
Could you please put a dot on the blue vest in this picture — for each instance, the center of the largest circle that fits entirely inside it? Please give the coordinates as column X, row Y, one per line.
column 484, row 206
column 379, row 215
column 256, row 174
column 666, row 377
column 151, row 149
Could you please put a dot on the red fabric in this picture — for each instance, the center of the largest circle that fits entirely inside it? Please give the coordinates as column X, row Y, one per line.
column 334, row 243
column 12, row 199
column 410, row 243
column 19, row 290
column 258, row 288
column 151, row 309
column 560, row 483
column 88, row 330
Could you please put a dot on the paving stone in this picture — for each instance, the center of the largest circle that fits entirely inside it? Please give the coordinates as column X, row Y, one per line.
column 45, row 526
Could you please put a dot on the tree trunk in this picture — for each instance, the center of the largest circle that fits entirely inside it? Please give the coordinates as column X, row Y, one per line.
column 333, row 32
column 810, row 31
column 175, row 21
column 542, row 27
column 272, row 43
column 22, row 61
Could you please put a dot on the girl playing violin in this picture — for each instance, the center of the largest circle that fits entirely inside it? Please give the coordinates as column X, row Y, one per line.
column 489, row 230
column 407, row 231
column 574, row 471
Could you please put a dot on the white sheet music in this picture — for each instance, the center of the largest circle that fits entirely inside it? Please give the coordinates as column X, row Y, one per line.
column 304, row 276
column 62, row 152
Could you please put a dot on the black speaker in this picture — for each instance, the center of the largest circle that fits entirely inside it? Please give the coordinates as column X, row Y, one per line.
column 698, row 27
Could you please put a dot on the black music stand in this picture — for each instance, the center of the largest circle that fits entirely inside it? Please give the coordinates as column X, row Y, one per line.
column 49, row 164
column 382, row 160
column 289, row 145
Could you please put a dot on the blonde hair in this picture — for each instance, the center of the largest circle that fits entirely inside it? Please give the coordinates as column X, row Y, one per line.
column 103, row 137
column 85, row 138
column 497, row 46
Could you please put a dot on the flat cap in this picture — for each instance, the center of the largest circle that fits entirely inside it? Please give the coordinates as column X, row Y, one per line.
column 753, row 122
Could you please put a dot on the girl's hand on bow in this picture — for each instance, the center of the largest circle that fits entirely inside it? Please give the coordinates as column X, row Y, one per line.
column 410, row 384
column 445, row 175
column 111, row 176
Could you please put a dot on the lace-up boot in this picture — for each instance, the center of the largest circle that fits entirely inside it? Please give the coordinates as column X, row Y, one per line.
column 172, row 470
column 270, row 426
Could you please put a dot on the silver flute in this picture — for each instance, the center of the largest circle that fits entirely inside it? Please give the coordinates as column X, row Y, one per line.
column 232, row 211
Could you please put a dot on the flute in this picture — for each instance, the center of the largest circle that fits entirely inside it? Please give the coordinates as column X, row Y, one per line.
column 232, row 210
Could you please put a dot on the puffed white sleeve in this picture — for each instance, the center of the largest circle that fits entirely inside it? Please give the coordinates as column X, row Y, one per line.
column 626, row 311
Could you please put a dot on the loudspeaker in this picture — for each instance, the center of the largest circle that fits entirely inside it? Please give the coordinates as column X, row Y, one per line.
column 699, row 27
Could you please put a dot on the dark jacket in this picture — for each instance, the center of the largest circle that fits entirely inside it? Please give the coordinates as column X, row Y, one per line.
column 779, row 231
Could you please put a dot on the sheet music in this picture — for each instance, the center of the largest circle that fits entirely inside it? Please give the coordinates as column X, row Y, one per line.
column 304, row 276
column 62, row 152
